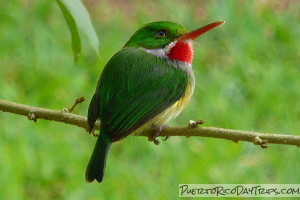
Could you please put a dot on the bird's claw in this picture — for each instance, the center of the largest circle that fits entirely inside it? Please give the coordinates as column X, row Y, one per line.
column 91, row 130
column 167, row 137
column 155, row 134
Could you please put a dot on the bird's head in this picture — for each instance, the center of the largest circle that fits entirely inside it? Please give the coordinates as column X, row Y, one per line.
column 168, row 40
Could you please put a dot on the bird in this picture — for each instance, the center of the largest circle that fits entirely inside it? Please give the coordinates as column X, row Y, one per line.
column 143, row 86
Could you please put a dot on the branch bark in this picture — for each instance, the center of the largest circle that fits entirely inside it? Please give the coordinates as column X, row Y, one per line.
column 261, row 139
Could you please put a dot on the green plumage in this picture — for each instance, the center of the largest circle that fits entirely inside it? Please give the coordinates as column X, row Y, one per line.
column 134, row 87
column 148, row 82
column 96, row 166
column 146, row 36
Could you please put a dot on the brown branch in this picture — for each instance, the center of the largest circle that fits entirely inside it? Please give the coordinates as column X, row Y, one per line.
column 261, row 139
column 34, row 113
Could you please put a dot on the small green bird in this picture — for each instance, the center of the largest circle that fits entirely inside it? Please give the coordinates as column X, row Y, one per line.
column 144, row 85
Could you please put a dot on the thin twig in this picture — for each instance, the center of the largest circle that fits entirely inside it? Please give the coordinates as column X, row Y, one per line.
column 261, row 139
column 78, row 101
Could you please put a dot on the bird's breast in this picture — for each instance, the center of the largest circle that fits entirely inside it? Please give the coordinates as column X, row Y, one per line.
column 179, row 105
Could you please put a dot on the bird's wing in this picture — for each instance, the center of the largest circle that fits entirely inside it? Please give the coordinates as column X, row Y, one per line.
column 134, row 87
column 94, row 111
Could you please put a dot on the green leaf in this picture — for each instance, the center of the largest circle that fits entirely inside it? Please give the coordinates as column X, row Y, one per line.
column 76, row 43
column 77, row 17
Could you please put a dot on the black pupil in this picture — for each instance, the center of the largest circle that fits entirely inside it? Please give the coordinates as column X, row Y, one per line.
column 161, row 33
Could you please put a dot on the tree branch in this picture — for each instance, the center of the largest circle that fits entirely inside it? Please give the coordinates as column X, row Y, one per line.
column 261, row 139
column 34, row 113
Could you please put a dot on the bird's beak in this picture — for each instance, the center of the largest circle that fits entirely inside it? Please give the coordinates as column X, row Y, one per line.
column 196, row 33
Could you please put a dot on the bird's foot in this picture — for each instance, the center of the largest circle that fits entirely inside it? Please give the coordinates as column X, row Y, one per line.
column 167, row 137
column 193, row 124
column 94, row 134
column 155, row 134
column 91, row 130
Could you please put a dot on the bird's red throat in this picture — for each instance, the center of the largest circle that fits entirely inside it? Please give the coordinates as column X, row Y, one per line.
column 182, row 51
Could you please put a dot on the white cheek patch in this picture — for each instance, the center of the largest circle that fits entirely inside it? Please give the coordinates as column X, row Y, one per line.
column 170, row 46
column 157, row 52
column 161, row 52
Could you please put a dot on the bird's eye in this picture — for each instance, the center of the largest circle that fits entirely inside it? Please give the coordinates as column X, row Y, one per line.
column 161, row 33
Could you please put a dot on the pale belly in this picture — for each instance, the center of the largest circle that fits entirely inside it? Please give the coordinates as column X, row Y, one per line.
column 170, row 112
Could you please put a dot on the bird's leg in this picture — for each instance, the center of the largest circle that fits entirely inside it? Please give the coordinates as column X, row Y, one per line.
column 92, row 130
column 167, row 137
column 155, row 134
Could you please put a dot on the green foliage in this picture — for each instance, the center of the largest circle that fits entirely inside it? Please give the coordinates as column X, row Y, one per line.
column 76, row 42
column 77, row 17
column 247, row 77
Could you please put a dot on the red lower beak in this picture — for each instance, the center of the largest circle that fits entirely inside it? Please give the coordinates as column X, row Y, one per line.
column 196, row 33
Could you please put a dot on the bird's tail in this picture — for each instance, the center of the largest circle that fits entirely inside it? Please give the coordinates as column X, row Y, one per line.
column 96, row 166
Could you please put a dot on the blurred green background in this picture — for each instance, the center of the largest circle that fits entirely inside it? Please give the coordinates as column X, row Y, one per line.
column 247, row 77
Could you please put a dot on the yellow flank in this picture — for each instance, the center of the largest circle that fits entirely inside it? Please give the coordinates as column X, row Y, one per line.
column 170, row 112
